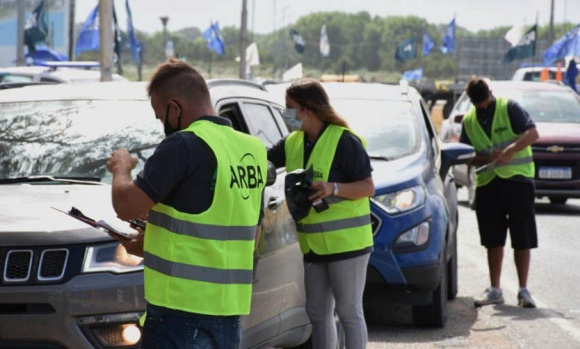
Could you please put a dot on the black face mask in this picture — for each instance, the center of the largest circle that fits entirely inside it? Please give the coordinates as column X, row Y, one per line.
column 166, row 127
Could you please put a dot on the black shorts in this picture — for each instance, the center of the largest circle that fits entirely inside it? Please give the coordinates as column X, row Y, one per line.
column 503, row 205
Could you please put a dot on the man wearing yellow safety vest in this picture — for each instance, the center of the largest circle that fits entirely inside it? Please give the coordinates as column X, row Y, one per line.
column 337, row 241
column 202, row 216
column 502, row 132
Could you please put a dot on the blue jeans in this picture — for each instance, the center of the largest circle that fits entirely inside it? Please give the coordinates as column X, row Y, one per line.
column 166, row 330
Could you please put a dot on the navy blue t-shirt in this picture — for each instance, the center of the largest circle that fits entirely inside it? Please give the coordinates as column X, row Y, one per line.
column 351, row 163
column 181, row 173
column 520, row 121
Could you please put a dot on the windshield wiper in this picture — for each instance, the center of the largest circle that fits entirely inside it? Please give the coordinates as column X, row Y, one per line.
column 58, row 179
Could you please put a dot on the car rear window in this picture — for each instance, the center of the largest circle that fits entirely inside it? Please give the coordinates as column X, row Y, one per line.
column 560, row 106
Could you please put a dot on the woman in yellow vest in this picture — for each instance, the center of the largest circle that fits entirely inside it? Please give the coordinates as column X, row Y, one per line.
column 336, row 242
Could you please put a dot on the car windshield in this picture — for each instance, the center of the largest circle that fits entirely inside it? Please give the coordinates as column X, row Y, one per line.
column 73, row 139
column 546, row 105
column 389, row 127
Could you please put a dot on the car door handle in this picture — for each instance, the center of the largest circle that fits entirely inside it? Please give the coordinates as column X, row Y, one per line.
column 274, row 202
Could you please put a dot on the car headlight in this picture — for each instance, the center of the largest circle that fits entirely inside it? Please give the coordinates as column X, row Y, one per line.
column 401, row 201
column 110, row 257
column 413, row 238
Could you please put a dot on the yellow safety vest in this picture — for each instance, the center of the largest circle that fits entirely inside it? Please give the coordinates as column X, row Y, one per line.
column 202, row 263
column 346, row 225
column 502, row 135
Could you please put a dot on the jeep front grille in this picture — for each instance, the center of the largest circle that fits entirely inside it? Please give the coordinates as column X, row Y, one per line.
column 48, row 265
column 18, row 265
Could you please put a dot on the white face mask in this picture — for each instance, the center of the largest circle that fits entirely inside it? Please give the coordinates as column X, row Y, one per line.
column 289, row 116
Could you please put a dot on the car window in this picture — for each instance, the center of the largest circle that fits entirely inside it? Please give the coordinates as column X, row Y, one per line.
column 261, row 121
column 390, row 128
column 15, row 78
column 74, row 138
column 547, row 105
column 47, row 79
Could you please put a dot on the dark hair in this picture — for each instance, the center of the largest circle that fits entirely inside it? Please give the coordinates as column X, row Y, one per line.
column 178, row 78
column 477, row 90
column 310, row 94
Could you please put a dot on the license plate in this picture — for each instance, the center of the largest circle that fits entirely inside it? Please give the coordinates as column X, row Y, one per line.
column 555, row 173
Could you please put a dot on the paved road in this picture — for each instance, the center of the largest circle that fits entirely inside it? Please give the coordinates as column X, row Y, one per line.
column 554, row 282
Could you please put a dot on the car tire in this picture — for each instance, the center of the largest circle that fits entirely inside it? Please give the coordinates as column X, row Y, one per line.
column 556, row 200
column 434, row 314
column 471, row 187
column 452, row 274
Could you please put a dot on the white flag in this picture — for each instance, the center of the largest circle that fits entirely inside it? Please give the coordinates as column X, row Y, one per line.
column 293, row 73
column 324, row 43
column 515, row 34
column 252, row 56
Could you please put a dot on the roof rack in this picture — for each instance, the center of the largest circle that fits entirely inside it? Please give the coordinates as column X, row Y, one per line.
column 53, row 65
column 240, row 82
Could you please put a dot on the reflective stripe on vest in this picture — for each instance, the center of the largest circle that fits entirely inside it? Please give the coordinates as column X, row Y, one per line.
column 202, row 263
column 502, row 135
column 346, row 225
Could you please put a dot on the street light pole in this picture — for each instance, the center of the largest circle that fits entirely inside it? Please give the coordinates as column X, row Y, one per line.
column 243, row 40
column 164, row 20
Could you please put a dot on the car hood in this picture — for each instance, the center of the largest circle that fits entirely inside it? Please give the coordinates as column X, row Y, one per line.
column 558, row 133
column 397, row 174
column 28, row 217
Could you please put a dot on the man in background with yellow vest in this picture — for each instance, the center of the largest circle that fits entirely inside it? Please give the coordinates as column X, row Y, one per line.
column 198, row 254
column 502, row 132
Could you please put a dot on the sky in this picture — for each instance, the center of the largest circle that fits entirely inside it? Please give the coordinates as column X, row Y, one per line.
column 265, row 16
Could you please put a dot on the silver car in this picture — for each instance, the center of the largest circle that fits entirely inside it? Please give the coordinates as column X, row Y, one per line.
column 65, row 284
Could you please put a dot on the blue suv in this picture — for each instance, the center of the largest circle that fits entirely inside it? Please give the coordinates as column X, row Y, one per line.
column 414, row 210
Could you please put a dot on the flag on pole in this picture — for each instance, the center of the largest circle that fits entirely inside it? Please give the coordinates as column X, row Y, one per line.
column 324, row 43
column 36, row 28
column 214, row 39
column 449, row 38
column 298, row 41
column 134, row 44
column 117, row 38
column 88, row 39
column 405, row 50
column 525, row 47
column 515, row 34
column 568, row 45
column 428, row 43
column 252, row 55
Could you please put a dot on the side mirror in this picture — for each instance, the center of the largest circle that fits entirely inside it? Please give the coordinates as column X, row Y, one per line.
column 271, row 177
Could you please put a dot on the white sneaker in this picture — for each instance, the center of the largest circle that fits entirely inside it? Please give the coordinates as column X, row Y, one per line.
column 491, row 295
column 525, row 299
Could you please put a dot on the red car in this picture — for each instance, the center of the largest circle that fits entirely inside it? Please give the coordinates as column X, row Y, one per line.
column 555, row 108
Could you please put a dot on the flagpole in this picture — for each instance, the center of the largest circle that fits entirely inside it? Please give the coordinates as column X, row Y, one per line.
column 20, row 34
column 243, row 41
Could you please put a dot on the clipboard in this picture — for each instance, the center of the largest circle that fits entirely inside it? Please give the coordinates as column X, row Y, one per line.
column 485, row 167
column 77, row 214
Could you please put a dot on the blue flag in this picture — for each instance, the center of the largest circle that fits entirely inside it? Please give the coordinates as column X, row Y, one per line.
column 571, row 74
column 88, row 39
column 428, row 43
column 298, row 41
column 214, row 38
column 36, row 28
column 449, row 38
column 134, row 45
column 568, row 45
column 413, row 75
column 406, row 50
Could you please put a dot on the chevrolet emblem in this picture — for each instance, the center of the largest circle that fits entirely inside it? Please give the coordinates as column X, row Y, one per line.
column 555, row 149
